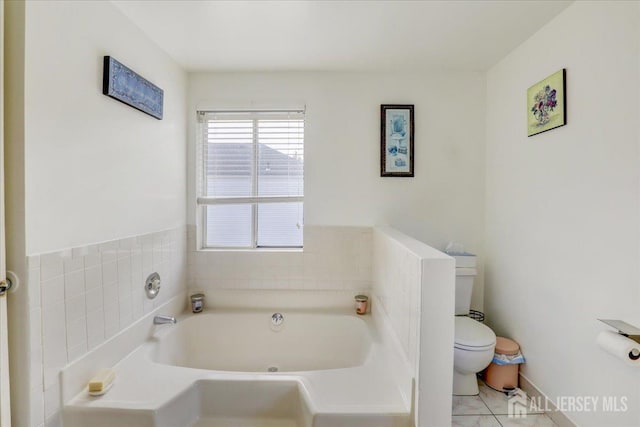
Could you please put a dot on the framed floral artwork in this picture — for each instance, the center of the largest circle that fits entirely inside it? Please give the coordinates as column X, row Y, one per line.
column 396, row 140
column 546, row 104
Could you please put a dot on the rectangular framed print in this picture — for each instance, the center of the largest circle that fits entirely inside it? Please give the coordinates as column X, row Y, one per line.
column 396, row 140
column 546, row 104
column 125, row 85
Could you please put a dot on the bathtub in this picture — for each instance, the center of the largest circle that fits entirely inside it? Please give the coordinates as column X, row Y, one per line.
column 247, row 341
column 225, row 368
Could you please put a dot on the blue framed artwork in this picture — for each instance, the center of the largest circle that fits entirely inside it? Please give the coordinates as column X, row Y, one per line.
column 396, row 140
column 125, row 85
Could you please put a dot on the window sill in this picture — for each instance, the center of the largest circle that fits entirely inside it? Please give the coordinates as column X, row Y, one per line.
column 253, row 250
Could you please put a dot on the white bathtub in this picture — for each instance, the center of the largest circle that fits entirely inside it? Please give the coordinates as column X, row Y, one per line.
column 211, row 370
column 246, row 341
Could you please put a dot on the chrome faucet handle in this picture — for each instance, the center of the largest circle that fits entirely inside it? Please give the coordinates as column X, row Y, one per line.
column 162, row 319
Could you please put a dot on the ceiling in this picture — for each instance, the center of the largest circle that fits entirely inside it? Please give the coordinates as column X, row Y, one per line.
column 339, row 35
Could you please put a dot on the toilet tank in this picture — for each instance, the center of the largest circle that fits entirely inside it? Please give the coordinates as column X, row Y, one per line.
column 464, row 289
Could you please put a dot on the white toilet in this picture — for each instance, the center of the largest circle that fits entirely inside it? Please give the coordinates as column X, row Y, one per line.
column 474, row 343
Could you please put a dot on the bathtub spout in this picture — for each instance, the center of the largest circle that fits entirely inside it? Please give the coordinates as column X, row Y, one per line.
column 162, row 319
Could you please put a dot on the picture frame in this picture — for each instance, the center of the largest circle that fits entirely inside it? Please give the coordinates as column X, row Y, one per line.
column 397, row 133
column 547, row 104
column 125, row 85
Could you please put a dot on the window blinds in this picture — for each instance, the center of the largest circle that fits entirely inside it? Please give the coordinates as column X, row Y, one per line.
column 253, row 178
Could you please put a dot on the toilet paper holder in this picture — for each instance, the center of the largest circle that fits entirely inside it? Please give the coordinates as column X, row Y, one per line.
column 624, row 328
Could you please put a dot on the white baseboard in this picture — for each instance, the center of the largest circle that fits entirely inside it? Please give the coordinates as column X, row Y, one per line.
column 560, row 418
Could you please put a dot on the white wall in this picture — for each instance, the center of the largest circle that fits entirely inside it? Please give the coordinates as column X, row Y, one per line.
column 13, row 63
column 97, row 169
column 342, row 147
column 563, row 207
column 84, row 169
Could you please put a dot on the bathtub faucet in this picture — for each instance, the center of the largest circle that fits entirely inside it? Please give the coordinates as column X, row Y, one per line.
column 162, row 319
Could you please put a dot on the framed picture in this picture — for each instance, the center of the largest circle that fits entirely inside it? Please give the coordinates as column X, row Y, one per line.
column 125, row 85
column 546, row 104
column 396, row 140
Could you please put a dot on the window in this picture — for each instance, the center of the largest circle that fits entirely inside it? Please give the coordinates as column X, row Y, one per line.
column 252, row 185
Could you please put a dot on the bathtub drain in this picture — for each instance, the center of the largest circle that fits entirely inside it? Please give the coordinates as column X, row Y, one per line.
column 272, row 369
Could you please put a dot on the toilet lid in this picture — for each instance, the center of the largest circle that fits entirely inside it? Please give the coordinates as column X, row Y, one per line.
column 470, row 333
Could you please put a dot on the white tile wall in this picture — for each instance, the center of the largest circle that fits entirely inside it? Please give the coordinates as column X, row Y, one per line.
column 80, row 297
column 415, row 285
column 396, row 284
column 334, row 258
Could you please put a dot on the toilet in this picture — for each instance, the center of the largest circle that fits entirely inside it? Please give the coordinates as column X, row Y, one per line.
column 474, row 343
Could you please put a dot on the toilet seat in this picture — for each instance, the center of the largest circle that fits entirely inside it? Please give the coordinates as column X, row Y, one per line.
column 473, row 348
column 471, row 335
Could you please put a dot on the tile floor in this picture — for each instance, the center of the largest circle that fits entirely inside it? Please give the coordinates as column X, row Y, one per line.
column 489, row 409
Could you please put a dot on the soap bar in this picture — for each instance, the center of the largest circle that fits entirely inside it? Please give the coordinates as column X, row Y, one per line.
column 101, row 381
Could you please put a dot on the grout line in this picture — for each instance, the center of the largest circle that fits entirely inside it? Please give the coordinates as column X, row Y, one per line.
column 86, row 313
column 485, row 404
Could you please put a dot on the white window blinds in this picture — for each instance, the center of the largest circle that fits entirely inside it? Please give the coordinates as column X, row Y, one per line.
column 253, row 178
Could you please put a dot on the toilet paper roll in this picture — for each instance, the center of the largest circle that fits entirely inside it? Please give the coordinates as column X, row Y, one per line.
column 620, row 346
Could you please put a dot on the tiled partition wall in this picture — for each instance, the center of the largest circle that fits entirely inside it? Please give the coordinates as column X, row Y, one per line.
column 415, row 285
column 334, row 258
column 81, row 297
column 396, row 285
